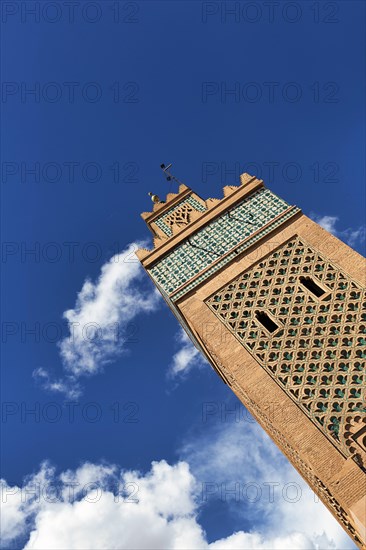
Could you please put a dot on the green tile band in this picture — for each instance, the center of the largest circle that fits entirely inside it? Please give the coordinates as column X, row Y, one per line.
column 206, row 245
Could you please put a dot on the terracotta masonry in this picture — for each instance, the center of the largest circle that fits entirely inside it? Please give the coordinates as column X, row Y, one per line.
column 278, row 307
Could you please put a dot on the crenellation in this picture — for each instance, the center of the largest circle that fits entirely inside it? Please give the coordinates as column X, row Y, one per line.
column 229, row 189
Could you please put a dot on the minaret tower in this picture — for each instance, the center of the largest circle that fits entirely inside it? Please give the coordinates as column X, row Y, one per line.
column 278, row 307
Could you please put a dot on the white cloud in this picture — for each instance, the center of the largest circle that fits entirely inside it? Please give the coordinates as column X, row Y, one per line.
column 255, row 541
column 14, row 516
column 84, row 476
column 67, row 385
column 354, row 236
column 186, row 357
column 101, row 506
column 161, row 512
column 236, row 463
column 18, row 506
column 351, row 236
column 327, row 222
column 103, row 309
column 101, row 320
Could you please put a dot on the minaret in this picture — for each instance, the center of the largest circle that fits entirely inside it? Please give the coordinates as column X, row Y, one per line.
column 278, row 307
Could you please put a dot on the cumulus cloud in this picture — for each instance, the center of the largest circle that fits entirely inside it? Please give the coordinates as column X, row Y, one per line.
column 255, row 541
column 185, row 358
column 237, row 464
column 18, row 506
column 352, row 236
column 109, row 508
column 101, row 320
column 101, row 506
column 98, row 321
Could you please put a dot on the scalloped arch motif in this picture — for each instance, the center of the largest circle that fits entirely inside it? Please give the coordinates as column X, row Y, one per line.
column 179, row 215
column 317, row 354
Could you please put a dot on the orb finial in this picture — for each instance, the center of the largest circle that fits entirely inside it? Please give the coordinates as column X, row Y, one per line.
column 154, row 197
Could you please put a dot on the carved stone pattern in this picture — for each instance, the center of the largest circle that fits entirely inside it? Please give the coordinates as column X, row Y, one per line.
column 304, row 469
column 317, row 353
column 354, row 427
column 179, row 215
column 218, row 237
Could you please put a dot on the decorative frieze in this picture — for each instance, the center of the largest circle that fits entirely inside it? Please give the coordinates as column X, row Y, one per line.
column 223, row 234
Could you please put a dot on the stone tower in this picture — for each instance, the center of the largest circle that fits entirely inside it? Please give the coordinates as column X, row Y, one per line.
column 277, row 305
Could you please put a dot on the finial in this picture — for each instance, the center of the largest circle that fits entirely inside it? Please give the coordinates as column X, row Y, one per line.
column 154, row 198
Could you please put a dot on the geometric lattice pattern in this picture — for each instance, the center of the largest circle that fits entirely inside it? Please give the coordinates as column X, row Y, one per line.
column 221, row 235
column 248, row 242
column 317, row 351
column 179, row 214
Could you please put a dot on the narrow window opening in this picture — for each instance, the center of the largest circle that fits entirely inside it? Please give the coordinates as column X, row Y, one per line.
column 266, row 321
column 311, row 285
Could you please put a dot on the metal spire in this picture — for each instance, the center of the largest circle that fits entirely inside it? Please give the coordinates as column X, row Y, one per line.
column 169, row 176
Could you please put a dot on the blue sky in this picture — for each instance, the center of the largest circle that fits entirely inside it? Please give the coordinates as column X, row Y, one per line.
column 275, row 89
